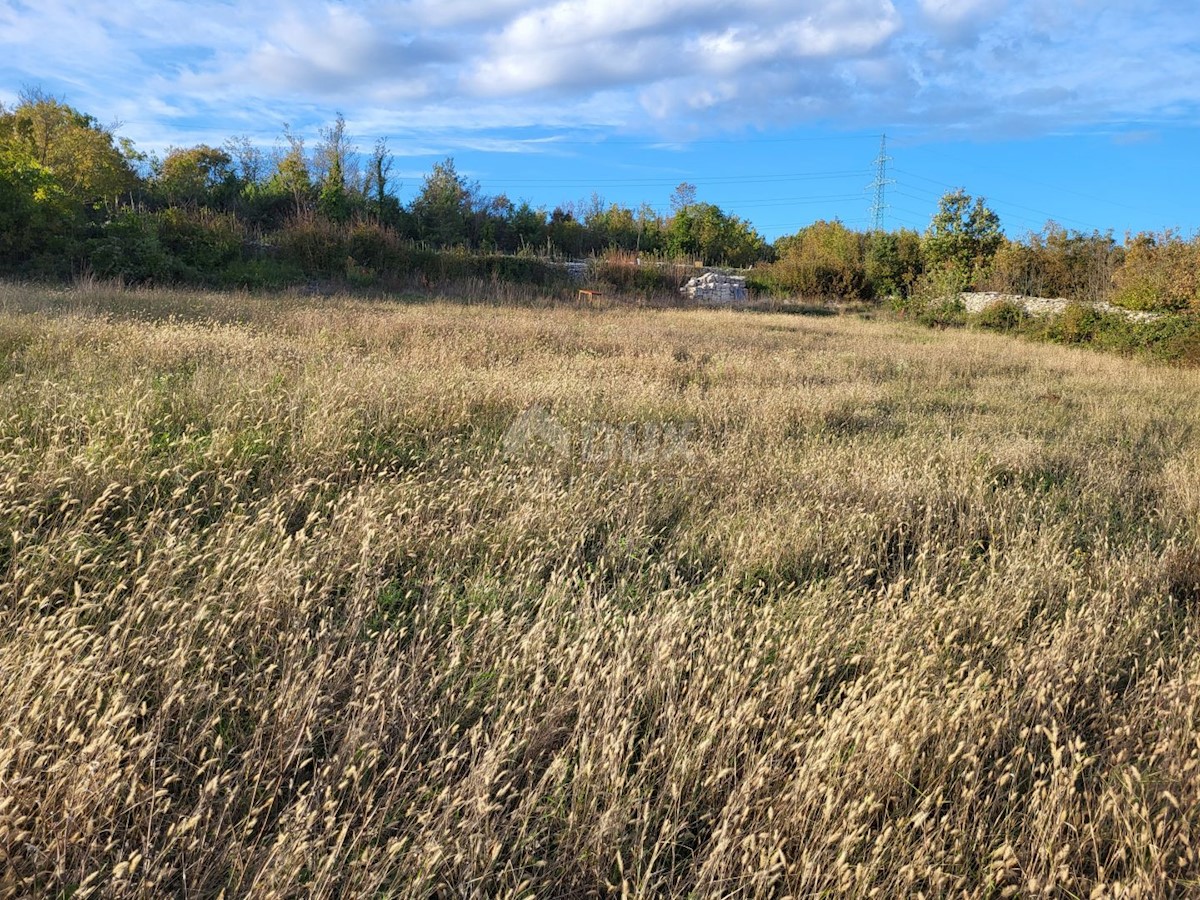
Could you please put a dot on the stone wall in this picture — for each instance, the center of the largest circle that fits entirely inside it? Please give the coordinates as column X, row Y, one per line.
column 1040, row 306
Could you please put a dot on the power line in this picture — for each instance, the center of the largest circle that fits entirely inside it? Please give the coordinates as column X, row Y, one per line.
column 1005, row 203
column 674, row 180
column 660, row 143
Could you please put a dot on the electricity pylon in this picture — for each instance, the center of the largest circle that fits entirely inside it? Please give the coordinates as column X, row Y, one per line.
column 879, row 185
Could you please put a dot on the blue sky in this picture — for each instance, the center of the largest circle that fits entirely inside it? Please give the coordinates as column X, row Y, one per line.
column 1081, row 111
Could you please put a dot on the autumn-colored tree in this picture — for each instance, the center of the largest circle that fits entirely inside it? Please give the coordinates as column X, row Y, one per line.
column 1159, row 271
column 1019, row 267
column 825, row 259
column 1057, row 262
column 83, row 157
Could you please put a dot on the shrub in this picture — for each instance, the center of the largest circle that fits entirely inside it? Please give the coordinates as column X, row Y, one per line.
column 128, row 248
column 625, row 274
column 1004, row 315
column 314, row 245
column 358, row 275
column 1160, row 272
column 264, row 274
column 379, row 247
column 1076, row 324
column 203, row 243
column 1139, row 292
column 825, row 260
column 944, row 312
column 936, row 298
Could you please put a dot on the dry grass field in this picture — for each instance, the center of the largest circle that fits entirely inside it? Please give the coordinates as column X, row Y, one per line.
column 321, row 597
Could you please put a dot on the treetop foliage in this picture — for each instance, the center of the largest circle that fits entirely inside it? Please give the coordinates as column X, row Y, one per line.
column 964, row 233
column 75, row 197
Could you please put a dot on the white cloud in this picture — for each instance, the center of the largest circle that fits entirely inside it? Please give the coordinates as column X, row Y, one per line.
column 676, row 66
column 959, row 20
column 581, row 42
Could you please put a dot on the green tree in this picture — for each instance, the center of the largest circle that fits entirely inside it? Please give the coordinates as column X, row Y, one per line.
column 84, row 157
column 703, row 230
column 380, row 201
column 38, row 219
column 528, row 226
column 615, row 227
column 893, row 262
column 333, row 164
column 292, row 176
column 963, row 235
column 198, row 176
column 650, row 228
column 445, row 206
column 565, row 233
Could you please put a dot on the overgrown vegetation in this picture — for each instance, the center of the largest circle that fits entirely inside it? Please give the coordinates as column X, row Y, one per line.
column 1167, row 338
column 75, row 200
column 750, row 606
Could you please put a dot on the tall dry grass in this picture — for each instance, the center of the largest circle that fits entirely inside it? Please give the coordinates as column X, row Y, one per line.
column 807, row 607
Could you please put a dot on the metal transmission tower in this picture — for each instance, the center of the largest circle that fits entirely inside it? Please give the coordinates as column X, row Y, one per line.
column 878, row 204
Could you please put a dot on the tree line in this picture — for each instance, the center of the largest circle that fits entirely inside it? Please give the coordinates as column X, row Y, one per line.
column 72, row 193
column 75, row 197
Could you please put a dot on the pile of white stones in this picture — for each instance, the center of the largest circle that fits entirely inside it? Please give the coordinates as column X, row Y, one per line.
column 715, row 287
column 1041, row 306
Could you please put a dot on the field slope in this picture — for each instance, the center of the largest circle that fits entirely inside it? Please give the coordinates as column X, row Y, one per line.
column 327, row 598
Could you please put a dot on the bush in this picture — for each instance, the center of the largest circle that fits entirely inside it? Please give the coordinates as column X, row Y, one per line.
column 1159, row 272
column 1077, row 324
column 624, row 274
column 314, row 245
column 261, row 274
column 379, row 247
column 936, row 298
column 825, row 260
column 1003, row 315
column 1140, row 293
column 128, row 248
column 358, row 275
column 202, row 242
column 945, row 312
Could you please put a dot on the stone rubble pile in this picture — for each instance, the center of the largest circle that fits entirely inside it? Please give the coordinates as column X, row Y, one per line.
column 715, row 287
column 978, row 301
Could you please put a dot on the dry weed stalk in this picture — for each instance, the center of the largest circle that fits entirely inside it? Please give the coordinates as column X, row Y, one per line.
column 912, row 614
